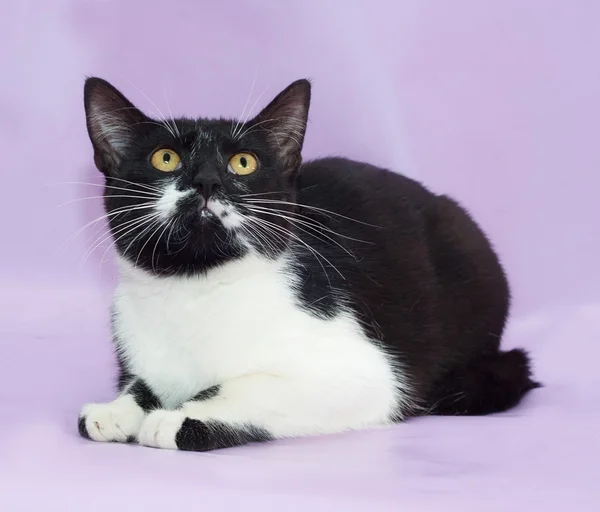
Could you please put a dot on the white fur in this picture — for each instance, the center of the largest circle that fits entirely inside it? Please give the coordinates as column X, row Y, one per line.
column 167, row 204
column 171, row 195
column 114, row 421
column 226, row 213
column 240, row 327
column 160, row 428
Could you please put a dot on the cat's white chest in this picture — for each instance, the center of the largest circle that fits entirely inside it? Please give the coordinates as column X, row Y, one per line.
column 183, row 335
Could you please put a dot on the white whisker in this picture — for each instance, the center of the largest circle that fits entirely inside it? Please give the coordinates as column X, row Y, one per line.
column 160, row 114
column 322, row 210
column 315, row 231
column 250, row 112
column 170, row 113
column 234, row 129
column 106, row 236
column 316, row 253
column 308, row 220
column 100, row 197
column 103, row 185
column 132, row 226
column 117, row 211
column 160, row 223
column 143, row 185
column 156, row 244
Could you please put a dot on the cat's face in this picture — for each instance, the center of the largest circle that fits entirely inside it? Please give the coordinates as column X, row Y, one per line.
column 183, row 195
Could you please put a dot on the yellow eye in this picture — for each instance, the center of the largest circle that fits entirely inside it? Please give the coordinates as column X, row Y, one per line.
column 243, row 163
column 165, row 160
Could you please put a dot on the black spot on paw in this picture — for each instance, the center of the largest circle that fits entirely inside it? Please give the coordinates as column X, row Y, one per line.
column 82, row 428
column 193, row 436
column 200, row 436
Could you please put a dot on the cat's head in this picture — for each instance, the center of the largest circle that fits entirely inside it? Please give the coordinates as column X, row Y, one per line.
column 183, row 195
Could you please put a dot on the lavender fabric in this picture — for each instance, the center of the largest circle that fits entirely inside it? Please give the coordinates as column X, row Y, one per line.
column 494, row 102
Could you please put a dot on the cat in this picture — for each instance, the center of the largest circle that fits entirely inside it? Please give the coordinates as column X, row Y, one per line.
column 262, row 298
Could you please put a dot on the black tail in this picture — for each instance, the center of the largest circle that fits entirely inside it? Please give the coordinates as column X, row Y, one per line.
column 494, row 383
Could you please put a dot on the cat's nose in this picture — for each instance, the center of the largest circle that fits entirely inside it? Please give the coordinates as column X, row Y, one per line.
column 207, row 185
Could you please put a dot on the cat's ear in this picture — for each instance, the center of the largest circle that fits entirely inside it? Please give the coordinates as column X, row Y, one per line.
column 111, row 120
column 284, row 122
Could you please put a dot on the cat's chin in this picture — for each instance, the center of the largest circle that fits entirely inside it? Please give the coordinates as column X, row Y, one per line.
column 208, row 230
column 207, row 218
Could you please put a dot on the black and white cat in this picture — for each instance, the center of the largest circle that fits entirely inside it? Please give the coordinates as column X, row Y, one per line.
column 261, row 298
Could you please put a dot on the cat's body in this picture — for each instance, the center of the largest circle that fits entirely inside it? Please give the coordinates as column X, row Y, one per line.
column 354, row 297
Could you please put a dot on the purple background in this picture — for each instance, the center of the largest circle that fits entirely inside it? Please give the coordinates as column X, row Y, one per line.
column 495, row 102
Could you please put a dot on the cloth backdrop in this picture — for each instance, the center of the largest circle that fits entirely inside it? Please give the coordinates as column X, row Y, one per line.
column 494, row 102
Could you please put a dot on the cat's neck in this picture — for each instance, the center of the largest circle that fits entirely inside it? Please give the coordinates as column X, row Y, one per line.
column 251, row 265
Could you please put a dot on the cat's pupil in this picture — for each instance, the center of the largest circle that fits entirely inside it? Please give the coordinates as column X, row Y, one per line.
column 243, row 162
column 166, row 157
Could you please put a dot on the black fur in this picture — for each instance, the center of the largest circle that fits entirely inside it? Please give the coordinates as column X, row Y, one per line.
column 423, row 278
column 202, row 436
column 419, row 273
column 144, row 396
column 82, row 428
column 207, row 394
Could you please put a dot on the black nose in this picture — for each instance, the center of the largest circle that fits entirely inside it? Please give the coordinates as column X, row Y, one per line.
column 207, row 185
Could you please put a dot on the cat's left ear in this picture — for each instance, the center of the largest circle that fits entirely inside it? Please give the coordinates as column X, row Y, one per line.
column 111, row 121
column 284, row 121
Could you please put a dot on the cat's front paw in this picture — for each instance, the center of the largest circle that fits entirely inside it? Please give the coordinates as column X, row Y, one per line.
column 160, row 429
column 117, row 421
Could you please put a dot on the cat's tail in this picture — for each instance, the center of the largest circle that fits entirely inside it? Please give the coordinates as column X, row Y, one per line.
column 493, row 383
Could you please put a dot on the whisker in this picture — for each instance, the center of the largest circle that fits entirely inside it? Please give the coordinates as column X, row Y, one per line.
column 108, row 235
column 156, row 244
column 262, row 238
column 132, row 226
column 117, row 211
column 255, row 125
column 313, row 228
column 151, row 222
column 161, row 115
column 239, row 136
column 161, row 124
column 262, row 194
column 308, row 220
column 159, row 225
column 310, row 249
column 172, row 223
column 233, row 132
column 298, row 239
column 170, row 113
column 140, row 191
column 291, row 120
column 143, row 185
column 99, row 197
column 315, row 208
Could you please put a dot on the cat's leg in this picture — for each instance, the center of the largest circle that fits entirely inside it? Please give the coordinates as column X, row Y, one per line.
column 119, row 420
column 258, row 408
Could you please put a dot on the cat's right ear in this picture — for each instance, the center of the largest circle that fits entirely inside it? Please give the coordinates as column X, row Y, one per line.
column 111, row 119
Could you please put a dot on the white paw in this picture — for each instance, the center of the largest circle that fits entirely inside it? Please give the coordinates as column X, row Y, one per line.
column 114, row 421
column 160, row 428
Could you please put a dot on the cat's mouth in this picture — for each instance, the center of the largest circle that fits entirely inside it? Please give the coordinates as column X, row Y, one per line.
column 207, row 215
column 210, row 210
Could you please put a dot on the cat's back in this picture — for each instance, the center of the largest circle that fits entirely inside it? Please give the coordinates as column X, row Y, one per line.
column 361, row 191
column 359, row 201
column 384, row 203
